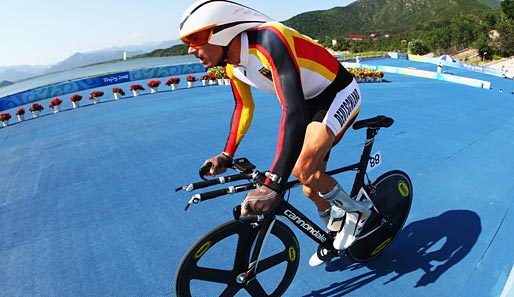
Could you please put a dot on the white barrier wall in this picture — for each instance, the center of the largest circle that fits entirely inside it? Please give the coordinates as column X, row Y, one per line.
column 426, row 74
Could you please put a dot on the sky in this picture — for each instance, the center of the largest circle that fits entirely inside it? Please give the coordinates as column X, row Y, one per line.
column 36, row 32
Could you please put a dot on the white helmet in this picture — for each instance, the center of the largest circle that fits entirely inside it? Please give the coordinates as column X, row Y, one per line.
column 226, row 18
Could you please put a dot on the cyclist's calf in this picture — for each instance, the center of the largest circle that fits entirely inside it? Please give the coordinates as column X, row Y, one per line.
column 312, row 174
column 314, row 196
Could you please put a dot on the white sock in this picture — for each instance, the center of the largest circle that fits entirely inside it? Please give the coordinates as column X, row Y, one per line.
column 335, row 192
column 324, row 216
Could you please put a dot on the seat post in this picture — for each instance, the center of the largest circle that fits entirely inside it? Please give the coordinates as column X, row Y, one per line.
column 363, row 164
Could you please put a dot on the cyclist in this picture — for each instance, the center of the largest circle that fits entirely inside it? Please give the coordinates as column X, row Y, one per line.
column 319, row 98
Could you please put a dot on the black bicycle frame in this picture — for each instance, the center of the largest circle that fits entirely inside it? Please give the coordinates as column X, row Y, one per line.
column 292, row 214
column 302, row 222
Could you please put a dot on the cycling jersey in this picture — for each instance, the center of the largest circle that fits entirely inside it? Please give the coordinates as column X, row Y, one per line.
column 306, row 79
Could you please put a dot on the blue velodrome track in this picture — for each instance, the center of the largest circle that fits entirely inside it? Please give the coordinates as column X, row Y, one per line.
column 88, row 208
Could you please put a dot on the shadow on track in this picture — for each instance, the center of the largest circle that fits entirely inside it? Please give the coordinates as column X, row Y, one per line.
column 445, row 240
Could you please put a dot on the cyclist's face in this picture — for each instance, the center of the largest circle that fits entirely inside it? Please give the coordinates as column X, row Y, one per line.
column 209, row 55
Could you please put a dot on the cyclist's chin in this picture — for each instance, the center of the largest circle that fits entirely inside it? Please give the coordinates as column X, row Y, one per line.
column 207, row 62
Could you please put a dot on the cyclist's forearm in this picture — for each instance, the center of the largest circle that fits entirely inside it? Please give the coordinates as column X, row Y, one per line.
column 241, row 118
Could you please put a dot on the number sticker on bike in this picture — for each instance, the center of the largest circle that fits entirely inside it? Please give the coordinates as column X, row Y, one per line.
column 374, row 161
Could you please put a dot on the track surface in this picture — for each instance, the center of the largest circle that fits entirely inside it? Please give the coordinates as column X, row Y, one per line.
column 88, row 208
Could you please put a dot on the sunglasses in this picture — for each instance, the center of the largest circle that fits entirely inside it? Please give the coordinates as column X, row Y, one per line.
column 198, row 39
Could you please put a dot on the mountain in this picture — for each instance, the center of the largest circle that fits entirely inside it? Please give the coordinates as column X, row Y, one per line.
column 5, row 83
column 384, row 16
column 16, row 73
column 109, row 54
column 176, row 50
column 84, row 59
column 146, row 47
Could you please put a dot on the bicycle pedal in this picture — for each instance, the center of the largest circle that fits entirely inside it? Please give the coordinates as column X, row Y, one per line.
column 326, row 255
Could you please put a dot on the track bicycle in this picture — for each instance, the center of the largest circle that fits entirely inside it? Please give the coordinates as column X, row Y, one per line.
column 259, row 255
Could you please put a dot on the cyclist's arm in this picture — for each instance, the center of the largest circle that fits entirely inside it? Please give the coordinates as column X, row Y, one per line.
column 276, row 54
column 242, row 114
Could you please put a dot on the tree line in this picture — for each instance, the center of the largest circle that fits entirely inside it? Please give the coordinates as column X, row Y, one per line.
column 491, row 34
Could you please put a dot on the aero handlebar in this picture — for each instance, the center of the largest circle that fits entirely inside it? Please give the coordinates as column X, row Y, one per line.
column 246, row 171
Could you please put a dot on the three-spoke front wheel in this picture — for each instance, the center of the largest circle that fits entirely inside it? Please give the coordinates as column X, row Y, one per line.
column 217, row 263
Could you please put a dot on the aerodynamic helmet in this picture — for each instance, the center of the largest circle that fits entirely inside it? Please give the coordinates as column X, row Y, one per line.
column 217, row 22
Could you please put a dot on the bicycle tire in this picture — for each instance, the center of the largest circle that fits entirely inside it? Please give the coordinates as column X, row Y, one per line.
column 190, row 269
column 393, row 196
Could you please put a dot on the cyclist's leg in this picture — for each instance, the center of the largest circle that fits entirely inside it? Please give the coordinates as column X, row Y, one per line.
column 327, row 127
column 338, row 118
column 313, row 195
column 310, row 165
column 322, row 205
column 331, row 115
column 310, row 170
column 320, row 136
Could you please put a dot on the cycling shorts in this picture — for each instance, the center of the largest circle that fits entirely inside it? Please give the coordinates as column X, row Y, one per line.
column 338, row 112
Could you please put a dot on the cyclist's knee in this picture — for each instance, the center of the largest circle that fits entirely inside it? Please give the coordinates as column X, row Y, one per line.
column 305, row 176
column 307, row 191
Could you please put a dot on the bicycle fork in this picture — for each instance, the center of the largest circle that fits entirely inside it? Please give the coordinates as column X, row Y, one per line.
column 251, row 272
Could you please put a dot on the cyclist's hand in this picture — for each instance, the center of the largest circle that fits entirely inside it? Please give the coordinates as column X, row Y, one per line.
column 217, row 164
column 261, row 200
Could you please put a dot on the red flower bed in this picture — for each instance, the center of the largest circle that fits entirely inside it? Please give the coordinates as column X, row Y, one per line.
column 20, row 111
column 172, row 81
column 136, row 87
column 55, row 102
column 36, row 107
column 75, row 98
column 5, row 116
column 95, row 94
column 118, row 91
column 153, row 83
